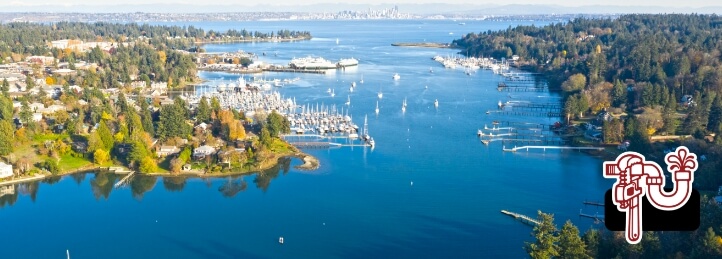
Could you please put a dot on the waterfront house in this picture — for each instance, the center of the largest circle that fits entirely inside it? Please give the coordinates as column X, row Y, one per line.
column 164, row 151
column 203, row 151
column 5, row 170
column 80, row 147
column 186, row 167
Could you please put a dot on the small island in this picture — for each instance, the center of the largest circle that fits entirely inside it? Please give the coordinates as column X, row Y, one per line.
column 424, row 45
column 75, row 101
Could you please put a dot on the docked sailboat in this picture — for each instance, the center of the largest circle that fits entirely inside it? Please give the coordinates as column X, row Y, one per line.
column 403, row 106
column 397, row 76
column 436, row 103
column 348, row 102
column 332, row 93
column 350, row 89
column 380, row 94
column 377, row 107
column 353, row 84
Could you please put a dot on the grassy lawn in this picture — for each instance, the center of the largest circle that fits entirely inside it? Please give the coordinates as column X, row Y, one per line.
column 41, row 138
column 278, row 146
column 68, row 162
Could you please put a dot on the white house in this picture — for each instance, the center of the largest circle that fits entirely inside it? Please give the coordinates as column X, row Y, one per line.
column 5, row 170
column 203, row 151
column 167, row 150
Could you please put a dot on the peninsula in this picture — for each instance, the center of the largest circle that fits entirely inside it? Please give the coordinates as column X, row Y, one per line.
column 97, row 101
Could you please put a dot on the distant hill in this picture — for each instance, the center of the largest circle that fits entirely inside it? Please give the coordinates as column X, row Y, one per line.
column 440, row 8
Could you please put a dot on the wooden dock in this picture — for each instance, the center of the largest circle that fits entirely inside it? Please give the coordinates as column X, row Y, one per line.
column 528, row 113
column 522, row 218
column 522, row 89
column 550, row 147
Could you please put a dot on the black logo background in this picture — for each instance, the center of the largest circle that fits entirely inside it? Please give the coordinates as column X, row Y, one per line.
column 685, row 218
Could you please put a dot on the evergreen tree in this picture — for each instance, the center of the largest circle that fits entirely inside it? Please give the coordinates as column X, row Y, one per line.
column 6, row 137
column 570, row 244
column 26, row 115
column 122, row 103
column 203, row 113
column 619, row 94
column 591, row 240
column 146, row 117
column 172, row 121
column 277, row 124
column 265, row 137
column 669, row 118
column 5, row 87
column 106, row 136
column 715, row 114
column 215, row 105
column 545, row 244
column 29, row 82
column 6, row 108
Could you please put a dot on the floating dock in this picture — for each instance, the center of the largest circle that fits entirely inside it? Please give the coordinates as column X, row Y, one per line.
column 522, row 218
column 550, row 147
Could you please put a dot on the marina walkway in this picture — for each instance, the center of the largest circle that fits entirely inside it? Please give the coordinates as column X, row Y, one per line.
column 523, row 218
column 550, row 147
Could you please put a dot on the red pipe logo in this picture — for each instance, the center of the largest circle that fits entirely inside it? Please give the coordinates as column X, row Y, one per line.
column 637, row 177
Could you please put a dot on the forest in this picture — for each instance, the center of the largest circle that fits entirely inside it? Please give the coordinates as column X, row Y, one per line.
column 657, row 75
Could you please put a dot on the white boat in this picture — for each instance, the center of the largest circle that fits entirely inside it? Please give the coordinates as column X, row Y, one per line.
column 311, row 63
column 350, row 89
column 332, row 93
column 371, row 142
column 353, row 84
column 396, row 76
column 403, row 106
column 336, row 41
column 426, row 87
column 404, row 101
column 436, row 103
column 280, row 240
column 348, row 102
column 329, row 90
column 347, row 62
column 377, row 107
column 380, row 94
column 362, row 79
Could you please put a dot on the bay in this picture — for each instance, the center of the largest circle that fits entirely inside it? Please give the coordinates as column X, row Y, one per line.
column 361, row 203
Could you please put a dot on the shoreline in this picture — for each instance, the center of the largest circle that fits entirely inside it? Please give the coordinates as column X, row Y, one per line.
column 310, row 163
column 251, row 40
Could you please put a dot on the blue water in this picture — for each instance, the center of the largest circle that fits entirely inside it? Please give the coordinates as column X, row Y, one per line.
column 360, row 203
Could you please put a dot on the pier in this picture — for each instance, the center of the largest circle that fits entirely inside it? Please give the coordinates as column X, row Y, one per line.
column 293, row 70
column 522, row 89
column 596, row 217
column 528, row 113
column 594, row 203
column 522, row 218
column 550, row 147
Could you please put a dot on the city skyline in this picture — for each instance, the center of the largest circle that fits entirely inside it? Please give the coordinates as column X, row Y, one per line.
column 664, row 3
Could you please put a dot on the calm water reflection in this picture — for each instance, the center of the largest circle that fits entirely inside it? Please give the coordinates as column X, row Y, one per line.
column 102, row 183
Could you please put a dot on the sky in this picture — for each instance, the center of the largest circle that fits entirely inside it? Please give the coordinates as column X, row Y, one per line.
column 665, row 3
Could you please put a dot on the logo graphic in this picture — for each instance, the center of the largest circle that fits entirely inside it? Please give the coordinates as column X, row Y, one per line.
column 637, row 177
